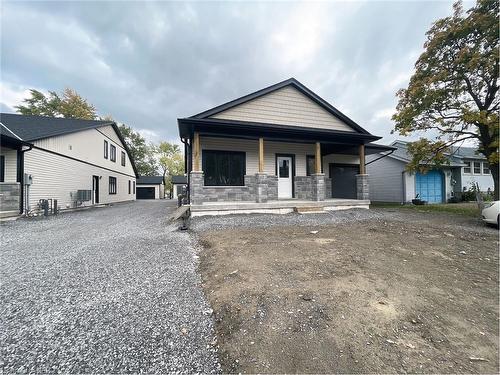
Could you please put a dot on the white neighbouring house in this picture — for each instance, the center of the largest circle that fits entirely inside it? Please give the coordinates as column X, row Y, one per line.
column 76, row 162
column 151, row 187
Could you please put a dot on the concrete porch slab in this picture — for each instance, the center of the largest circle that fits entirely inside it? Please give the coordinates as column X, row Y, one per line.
column 274, row 207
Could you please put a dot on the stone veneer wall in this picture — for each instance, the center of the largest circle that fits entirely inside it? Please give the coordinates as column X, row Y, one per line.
column 303, row 187
column 318, row 187
column 199, row 193
column 328, row 188
column 362, row 186
column 10, row 195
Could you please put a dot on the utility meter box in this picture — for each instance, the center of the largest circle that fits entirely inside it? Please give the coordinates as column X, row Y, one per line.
column 28, row 179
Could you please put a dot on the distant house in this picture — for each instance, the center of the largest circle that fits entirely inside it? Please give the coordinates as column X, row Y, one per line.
column 390, row 182
column 178, row 182
column 274, row 150
column 150, row 187
column 76, row 162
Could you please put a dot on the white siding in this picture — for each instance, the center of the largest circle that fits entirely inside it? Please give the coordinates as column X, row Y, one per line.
column 286, row 106
column 58, row 177
column 88, row 145
column 410, row 189
column 10, row 164
column 484, row 181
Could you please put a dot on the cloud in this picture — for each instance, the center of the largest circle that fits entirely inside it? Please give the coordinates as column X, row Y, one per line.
column 147, row 64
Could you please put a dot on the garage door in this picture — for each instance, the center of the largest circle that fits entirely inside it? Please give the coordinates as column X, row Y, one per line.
column 429, row 186
column 145, row 193
column 343, row 180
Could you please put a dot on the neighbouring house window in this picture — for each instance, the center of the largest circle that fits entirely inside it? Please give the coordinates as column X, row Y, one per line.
column 129, row 186
column 133, row 183
column 467, row 167
column 486, row 168
column 105, row 149
column 224, row 168
column 112, row 153
column 477, row 167
column 310, row 166
column 112, row 185
column 2, row 168
column 123, row 158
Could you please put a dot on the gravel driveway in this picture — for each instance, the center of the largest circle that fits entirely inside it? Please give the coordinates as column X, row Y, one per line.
column 103, row 290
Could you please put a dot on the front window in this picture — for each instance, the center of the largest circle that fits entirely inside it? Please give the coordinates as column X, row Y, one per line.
column 123, row 158
column 486, row 168
column 467, row 167
column 105, row 149
column 112, row 185
column 129, row 187
column 477, row 167
column 133, row 184
column 112, row 153
column 224, row 168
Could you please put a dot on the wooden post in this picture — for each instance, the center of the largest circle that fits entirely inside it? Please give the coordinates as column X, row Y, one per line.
column 317, row 158
column 362, row 169
column 196, row 152
column 261, row 155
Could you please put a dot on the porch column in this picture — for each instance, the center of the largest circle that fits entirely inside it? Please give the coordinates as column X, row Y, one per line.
column 196, row 152
column 362, row 161
column 362, row 186
column 317, row 158
column 261, row 155
column 261, row 181
column 196, row 182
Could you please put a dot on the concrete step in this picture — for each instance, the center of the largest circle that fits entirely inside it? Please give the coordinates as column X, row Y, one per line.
column 309, row 210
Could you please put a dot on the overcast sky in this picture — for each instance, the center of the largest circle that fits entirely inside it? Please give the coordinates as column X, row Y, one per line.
column 147, row 64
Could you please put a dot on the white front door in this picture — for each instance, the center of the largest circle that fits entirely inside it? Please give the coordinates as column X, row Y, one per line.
column 284, row 176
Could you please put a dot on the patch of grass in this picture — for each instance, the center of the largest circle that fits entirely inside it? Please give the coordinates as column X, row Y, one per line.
column 466, row 208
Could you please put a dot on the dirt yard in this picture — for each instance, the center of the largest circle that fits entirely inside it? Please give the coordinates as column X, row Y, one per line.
column 415, row 294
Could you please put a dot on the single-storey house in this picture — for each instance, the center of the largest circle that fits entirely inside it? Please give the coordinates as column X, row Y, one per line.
column 275, row 150
column 390, row 182
column 76, row 162
column 178, row 183
column 151, row 187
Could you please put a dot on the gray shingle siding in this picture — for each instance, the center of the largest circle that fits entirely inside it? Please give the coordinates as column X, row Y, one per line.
column 385, row 179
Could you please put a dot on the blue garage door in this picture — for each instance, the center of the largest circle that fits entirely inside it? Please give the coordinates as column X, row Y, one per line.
column 429, row 186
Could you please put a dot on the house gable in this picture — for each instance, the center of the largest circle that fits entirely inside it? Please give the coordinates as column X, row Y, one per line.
column 286, row 103
column 286, row 106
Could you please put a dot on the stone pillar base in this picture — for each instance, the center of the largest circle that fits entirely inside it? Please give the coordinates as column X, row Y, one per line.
column 196, row 183
column 318, row 187
column 261, row 187
column 362, row 186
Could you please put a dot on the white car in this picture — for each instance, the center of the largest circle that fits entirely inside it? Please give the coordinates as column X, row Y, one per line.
column 491, row 213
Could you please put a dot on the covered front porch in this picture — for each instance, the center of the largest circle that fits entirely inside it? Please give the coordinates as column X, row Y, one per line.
column 231, row 165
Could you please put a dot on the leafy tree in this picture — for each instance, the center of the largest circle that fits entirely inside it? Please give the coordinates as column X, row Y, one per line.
column 70, row 105
column 453, row 91
column 142, row 153
column 171, row 162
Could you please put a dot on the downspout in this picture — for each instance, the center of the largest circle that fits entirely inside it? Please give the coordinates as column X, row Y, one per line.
column 20, row 176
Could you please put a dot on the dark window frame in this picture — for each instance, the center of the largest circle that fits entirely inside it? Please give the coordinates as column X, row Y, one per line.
column 133, row 184
column 112, row 185
column 129, row 187
column 2, row 168
column 105, row 149
column 210, row 180
column 123, row 158
column 112, row 153
column 313, row 171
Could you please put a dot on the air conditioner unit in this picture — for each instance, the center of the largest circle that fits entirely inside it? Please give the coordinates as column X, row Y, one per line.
column 84, row 195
